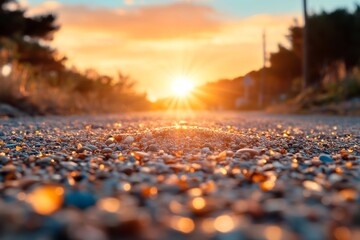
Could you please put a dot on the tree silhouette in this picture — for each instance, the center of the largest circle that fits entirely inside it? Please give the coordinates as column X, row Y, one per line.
column 25, row 32
column 333, row 42
column 334, row 36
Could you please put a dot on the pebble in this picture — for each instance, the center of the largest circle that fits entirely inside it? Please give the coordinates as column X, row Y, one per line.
column 107, row 150
column 11, row 146
column 250, row 151
column 334, row 178
column 82, row 149
column 69, row 165
column 79, row 199
column 205, row 150
column 109, row 141
column 157, row 176
column 129, row 140
column 3, row 159
column 91, row 147
column 311, row 185
column 153, row 148
column 325, row 158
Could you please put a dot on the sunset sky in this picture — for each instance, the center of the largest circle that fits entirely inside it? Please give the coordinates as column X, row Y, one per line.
column 155, row 41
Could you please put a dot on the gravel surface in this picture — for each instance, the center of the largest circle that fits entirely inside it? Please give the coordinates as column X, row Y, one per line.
column 180, row 176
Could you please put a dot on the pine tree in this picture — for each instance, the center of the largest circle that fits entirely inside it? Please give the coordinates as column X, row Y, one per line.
column 26, row 33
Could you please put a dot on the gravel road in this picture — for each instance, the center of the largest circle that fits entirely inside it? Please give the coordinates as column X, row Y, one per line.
column 180, row 176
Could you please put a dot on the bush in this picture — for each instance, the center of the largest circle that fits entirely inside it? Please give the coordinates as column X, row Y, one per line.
column 68, row 92
column 352, row 86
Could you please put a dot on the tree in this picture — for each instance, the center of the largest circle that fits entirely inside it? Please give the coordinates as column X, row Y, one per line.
column 286, row 65
column 26, row 33
column 333, row 36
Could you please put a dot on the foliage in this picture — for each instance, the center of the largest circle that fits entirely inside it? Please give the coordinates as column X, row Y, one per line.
column 334, row 38
column 71, row 93
column 25, row 33
column 41, row 84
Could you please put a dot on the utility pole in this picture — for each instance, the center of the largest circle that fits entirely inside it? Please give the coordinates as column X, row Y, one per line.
column 263, row 72
column 305, row 48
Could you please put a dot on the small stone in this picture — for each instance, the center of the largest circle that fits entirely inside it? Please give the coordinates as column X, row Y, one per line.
column 250, row 151
column 348, row 194
column 84, row 149
column 10, row 146
column 46, row 161
column 8, row 172
column 148, row 135
column 277, row 164
column 8, row 168
column 79, row 199
column 205, row 150
column 313, row 186
column 107, row 150
column 3, row 159
column 140, row 155
column 92, row 147
column 230, row 153
column 118, row 138
column 129, row 140
column 109, row 141
column 334, row 178
column 325, row 158
column 257, row 177
column 153, row 148
column 69, row 165
column 222, row 154
column 128, row 171
column 344, row 153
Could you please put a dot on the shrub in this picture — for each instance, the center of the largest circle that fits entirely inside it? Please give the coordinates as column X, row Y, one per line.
column 68, row 92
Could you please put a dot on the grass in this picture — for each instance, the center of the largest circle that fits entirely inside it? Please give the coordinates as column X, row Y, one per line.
column 337, row 98
column 70, row 93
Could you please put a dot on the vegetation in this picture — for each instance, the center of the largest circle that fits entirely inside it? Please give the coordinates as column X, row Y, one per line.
column 334, row 49
column 34, row 78
column 40, row 83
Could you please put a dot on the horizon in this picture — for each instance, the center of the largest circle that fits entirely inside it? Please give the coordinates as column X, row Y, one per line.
column 210, row 40
column 261, row 151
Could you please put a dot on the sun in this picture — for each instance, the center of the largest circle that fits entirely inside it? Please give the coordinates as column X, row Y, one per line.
column 182, row 86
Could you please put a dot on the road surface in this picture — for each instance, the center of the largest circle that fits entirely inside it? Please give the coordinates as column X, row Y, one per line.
column 180, row 176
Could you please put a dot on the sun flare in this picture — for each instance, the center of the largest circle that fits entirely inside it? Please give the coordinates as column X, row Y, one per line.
column 182, row 86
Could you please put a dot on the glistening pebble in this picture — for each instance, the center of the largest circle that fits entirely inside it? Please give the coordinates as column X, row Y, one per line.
column 197, row 176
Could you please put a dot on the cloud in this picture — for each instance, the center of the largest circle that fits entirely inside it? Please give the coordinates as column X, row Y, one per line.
column 146, row 22
column 44, row 7
column 129, row 2
column 155, row 43
column 23, row 3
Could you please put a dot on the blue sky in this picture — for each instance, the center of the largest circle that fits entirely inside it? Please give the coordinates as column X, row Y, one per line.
column 240, row 8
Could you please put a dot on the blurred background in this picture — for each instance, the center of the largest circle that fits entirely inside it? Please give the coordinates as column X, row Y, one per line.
column 79, row 57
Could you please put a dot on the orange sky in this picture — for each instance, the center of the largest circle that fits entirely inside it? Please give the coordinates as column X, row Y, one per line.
column 154, row 44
